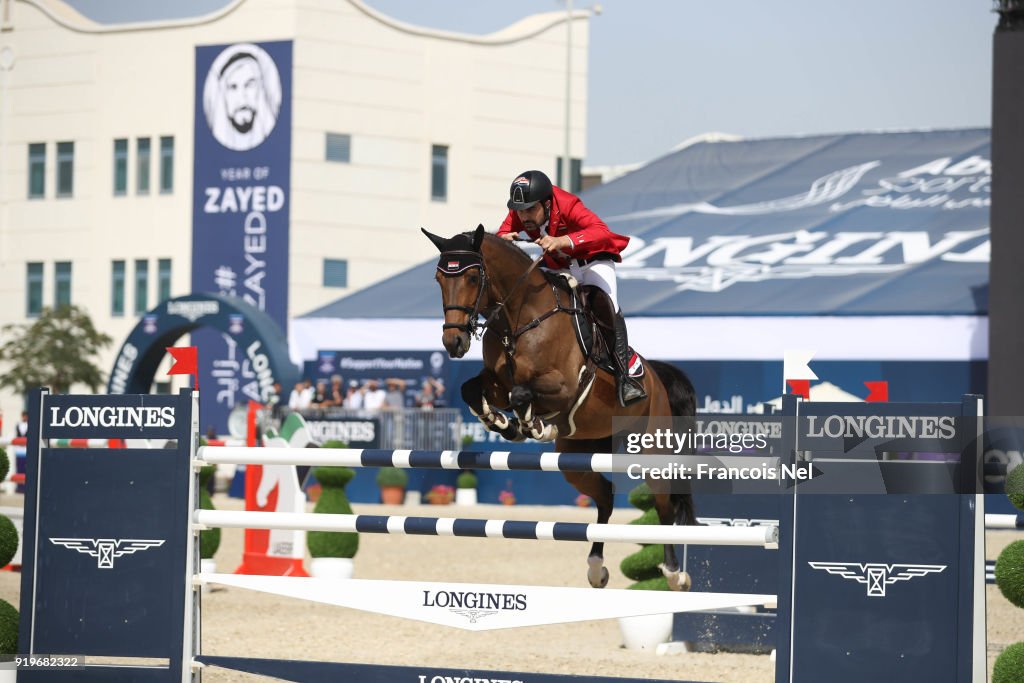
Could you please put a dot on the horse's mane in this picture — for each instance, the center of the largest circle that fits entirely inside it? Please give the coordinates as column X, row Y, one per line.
column 507, row 250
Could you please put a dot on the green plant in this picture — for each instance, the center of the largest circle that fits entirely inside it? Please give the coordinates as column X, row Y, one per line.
column 466, row 480
column 642, row 566
column 209, row 539
column 1010, row 573
column 5, row 464
column 8, row 540
column 1009, row 666
column 392, row 476
column 333, row 501
column 8, row 629
column 1015, row 486
column 334, row 443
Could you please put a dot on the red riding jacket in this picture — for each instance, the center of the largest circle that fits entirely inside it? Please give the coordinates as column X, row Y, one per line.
column 589, row 234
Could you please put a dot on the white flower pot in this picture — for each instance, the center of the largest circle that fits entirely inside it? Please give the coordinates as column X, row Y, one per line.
column 331, row 567
column 205, row 567
column 465, row 496
column 8, row 675
column 646, row 632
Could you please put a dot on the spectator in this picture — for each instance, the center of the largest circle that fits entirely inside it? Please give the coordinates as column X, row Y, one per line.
column 274, row 400
column 308, row 393
column 321, row 394
column 21, row 429
column 295, row 400
column 394, row 398
column 430, row 393
column 336, row 393
column 354, row 397
column 373, row 395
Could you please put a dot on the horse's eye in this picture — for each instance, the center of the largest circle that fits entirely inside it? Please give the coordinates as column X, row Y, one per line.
column 474, row 279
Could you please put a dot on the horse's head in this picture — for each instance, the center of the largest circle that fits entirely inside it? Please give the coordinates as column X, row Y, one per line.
column 460, row 272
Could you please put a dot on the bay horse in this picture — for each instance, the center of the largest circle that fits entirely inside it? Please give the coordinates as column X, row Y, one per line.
column 535, row 369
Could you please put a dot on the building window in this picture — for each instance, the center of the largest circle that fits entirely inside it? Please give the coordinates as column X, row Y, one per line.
column 62, row 284
column 439, row 173
column 575, row 184
column 120, row 167
column 163, row 280
column 166, row 165
column 117, row 289
column 335, row 273
column 339, row 147
column 142, row 164
column 141, row 286
column 65, row 169
column 34, row 288
column 36, row 170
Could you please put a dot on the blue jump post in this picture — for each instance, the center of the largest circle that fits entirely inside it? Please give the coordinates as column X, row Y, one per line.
column 884, row 587
column 108, row 553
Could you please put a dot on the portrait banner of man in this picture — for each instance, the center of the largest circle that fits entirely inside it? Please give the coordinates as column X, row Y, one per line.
column 240, row 206
column 242, row 96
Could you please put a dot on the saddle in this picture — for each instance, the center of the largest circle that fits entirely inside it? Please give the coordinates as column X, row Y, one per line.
column 584, row 324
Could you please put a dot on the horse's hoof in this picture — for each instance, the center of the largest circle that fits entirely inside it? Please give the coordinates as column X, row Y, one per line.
column 677, row 580
column 597, row 574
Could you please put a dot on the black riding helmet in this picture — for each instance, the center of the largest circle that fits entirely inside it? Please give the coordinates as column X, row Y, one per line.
column 527, row 189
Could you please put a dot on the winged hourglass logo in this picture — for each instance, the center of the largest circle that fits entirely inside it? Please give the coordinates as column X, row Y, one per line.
column 877, row 576
column 106, row 550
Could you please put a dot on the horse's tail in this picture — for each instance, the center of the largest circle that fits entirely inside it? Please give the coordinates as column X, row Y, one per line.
column 683, row 401
column 681, row 395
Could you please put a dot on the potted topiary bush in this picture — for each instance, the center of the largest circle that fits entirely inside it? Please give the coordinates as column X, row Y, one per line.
column 8, row 614
column 465, row 489
column 332, row 551
column 209, row 539
column 392, row 482
column 648, row 631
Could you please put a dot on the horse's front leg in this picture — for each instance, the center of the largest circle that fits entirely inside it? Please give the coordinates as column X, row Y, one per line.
column 547, row 393
column 475, row 397
column 600, row 489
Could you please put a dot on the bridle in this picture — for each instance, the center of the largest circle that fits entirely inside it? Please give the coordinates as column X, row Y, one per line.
column 465, row 260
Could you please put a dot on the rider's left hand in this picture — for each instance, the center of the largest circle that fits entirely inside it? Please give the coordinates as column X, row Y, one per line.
column 550, row 243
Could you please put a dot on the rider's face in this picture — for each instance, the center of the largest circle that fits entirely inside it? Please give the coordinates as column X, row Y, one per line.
column 533, row 217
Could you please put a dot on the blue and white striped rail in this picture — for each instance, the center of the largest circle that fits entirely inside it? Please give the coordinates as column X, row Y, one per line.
column 990, row 571
column 1004, row 521
column 448, row 460
column 766, row 537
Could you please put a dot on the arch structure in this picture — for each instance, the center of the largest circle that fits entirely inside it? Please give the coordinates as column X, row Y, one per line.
column 262, row 342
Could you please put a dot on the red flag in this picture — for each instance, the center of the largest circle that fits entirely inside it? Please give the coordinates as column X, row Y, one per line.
column 878, row 392
column 800, row 387
column 186, row 360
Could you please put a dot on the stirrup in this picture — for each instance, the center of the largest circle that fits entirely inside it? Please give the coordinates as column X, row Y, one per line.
column 629, row 390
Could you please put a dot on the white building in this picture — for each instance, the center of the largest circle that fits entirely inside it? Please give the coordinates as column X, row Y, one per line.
column 96, row 146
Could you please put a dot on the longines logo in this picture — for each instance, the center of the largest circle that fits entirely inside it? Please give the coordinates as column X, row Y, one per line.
column 106, row 550
column 465, row 679
column 193, row 310
column 112, row 416
column 474, row 605
column 877, row 576
column 882, row 427
column 720, row 261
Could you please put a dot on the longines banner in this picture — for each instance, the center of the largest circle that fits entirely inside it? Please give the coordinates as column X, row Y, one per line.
column 240, row 199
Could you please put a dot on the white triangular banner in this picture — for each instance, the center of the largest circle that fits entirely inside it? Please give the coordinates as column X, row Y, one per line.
column 795, row 366
column 485, row 607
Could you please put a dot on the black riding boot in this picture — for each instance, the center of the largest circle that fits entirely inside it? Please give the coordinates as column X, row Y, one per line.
column 630, row 390
column 613, row 329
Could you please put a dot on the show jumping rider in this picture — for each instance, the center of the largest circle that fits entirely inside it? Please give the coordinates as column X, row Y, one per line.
column 575, row 240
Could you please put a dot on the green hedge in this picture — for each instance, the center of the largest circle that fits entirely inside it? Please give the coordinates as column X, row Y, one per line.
column 8, row 629
column 1015, row 486
column 1009, row 666
column 642, row 566
column 1010, row 573
column 333, row 501
column 209, row 539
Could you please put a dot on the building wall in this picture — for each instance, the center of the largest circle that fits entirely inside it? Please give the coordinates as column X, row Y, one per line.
column 496, row 101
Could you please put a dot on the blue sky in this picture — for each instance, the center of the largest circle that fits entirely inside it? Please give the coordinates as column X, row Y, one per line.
column 662, row 71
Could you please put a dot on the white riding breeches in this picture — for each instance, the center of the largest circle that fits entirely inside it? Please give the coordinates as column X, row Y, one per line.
column 600, row 274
